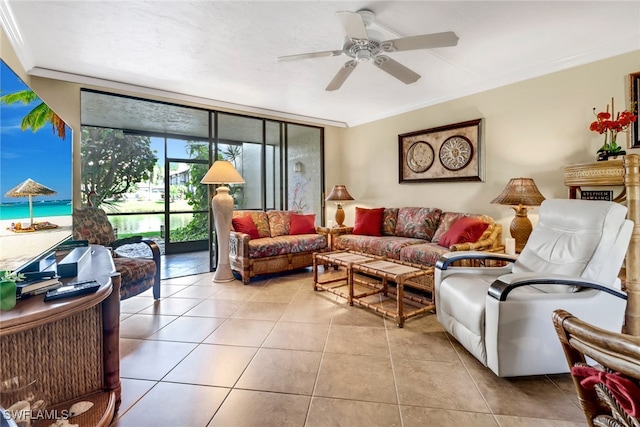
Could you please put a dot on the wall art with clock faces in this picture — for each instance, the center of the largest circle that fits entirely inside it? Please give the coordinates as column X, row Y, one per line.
column 445, row 153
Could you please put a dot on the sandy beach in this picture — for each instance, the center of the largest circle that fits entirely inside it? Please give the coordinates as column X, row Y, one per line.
column 18, row 248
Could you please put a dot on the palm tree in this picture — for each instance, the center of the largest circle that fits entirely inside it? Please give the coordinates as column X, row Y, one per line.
column 39, row 116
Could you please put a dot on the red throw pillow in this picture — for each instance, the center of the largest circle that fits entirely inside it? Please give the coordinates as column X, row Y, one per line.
column 302, row 224
column 368, row 221
column 462, row 231
column 244, row 224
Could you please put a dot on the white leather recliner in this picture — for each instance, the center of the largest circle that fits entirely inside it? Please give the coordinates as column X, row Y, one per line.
column 502, row 315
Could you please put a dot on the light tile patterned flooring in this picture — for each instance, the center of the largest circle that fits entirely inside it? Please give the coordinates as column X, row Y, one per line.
column 177, row 265
column 276, row 353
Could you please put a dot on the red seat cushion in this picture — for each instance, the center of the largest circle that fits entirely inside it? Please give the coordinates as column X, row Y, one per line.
column 368, row 221
column 462, row 231
column 244, row 224
column 302, row 224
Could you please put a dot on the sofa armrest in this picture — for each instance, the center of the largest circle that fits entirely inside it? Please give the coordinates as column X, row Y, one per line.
column 491, row 240
column 325, row 231
column 239, row 244
column 446, row 261
column 334, row 231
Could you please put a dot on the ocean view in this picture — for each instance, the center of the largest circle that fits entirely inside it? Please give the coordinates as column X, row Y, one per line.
column 41, row 209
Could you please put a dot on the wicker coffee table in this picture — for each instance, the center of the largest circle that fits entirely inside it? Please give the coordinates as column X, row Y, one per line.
column 339, row 284
column 375, row 274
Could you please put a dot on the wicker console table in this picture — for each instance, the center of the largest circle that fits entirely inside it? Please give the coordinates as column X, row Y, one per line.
column 68, row 347
column 622, row 172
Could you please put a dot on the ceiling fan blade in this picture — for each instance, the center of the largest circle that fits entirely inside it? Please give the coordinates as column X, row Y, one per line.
column 353, row 25
column 309, row 55
column 342, row 75
column 425, row 41
column 396, row 69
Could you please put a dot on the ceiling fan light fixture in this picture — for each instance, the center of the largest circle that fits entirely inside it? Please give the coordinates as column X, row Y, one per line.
column 363, row 56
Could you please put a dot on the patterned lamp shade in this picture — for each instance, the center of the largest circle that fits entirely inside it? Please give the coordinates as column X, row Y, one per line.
column 338, row 193
column 520, row 191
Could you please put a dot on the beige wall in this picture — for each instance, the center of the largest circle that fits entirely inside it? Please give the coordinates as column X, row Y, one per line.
column 531, row 129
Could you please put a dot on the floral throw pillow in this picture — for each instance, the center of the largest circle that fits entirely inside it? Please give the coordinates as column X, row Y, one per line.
column 417, row 223
column 279, row 222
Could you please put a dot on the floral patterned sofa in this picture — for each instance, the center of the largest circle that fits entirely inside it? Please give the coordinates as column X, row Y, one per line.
column 418, row 235
column 273, row 242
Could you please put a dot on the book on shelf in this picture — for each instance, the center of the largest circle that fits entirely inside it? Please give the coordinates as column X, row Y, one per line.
column 35, row 287
column 596, row 195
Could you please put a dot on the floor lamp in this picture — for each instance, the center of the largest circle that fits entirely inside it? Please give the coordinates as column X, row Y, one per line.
column 520, row 194
column 222, row 172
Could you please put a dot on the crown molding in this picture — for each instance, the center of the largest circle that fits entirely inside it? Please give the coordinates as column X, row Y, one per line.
column 174, row 96
column 619, row 47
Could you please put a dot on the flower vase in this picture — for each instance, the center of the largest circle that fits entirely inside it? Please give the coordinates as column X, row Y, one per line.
column 7, row 294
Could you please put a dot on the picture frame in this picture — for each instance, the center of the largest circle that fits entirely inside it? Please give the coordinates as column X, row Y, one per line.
column 447, row 153
column 634, row 129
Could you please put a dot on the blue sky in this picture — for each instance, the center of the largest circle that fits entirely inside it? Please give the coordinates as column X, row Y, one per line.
column 41, row 156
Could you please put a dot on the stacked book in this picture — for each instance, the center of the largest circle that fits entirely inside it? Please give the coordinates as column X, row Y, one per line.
column 28, row 288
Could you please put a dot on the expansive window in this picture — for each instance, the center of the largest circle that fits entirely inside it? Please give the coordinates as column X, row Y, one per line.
column 142, row 161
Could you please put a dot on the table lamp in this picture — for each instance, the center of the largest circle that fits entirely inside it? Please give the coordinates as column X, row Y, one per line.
column 222, row 172
column 339, row 194
column 520, row 194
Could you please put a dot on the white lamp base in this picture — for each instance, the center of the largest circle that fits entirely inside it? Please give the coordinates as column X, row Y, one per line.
column 222, row 205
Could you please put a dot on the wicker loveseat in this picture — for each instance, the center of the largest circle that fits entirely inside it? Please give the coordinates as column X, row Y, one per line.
column 273, row 242
column 419, row 235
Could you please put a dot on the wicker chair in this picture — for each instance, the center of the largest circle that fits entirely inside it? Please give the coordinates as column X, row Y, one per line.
column 137, row 274
column 609, row 392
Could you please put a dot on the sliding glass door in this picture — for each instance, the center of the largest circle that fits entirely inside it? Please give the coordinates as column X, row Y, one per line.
column 186, row 200
column 160, row 152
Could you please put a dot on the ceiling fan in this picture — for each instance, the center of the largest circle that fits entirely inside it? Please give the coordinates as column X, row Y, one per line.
column 363, row 44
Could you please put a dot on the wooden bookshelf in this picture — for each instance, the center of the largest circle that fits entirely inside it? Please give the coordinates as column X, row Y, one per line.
column 623, row 172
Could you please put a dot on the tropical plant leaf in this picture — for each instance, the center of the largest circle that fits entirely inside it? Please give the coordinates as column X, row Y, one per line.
column 26, row 96
column 39, row 116
column 36, row 118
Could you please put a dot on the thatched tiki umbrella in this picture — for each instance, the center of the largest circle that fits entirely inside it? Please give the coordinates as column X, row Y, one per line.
column 30, row 188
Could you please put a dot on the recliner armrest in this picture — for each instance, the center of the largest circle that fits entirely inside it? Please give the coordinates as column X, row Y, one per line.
column 502, row 286
column 446, row 260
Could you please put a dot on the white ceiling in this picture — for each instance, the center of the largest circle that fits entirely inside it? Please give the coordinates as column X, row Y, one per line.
column 222, row 53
